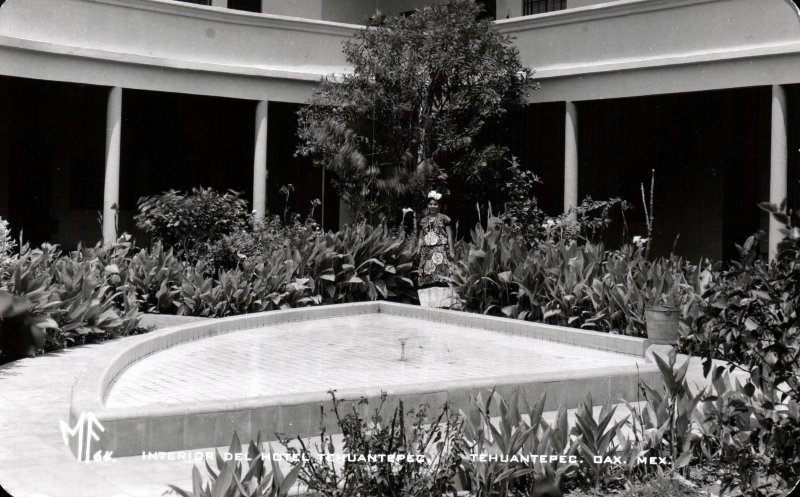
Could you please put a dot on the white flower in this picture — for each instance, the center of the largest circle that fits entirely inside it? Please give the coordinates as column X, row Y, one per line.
column 437, row 258
column 431, row 238
column 429, row 268
column 435, row 195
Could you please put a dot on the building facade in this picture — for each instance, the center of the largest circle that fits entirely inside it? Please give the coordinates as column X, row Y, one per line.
column 353, row 11
column 104, row 101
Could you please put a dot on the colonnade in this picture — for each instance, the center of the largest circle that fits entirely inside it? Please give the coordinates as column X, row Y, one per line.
column 778, row 159
column 112, row 167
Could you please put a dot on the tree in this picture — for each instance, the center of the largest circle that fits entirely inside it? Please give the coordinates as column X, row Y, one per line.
column 414, row 112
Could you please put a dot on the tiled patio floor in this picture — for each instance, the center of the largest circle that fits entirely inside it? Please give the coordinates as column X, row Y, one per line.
column 340, row 353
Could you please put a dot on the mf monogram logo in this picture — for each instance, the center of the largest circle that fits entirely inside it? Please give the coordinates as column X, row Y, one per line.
column 87, row 430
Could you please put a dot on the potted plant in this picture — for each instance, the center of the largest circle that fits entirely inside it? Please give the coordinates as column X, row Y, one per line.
column 662, row 315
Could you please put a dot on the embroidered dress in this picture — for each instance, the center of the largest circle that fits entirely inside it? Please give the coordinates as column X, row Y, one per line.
column 434, row 259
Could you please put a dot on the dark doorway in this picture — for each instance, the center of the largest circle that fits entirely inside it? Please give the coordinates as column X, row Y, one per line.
column 175, row 141
column 710, row 152
column 52, row 159
column 536, row 139
column 287, row 169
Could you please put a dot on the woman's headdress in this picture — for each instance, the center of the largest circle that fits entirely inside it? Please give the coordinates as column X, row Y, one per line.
column 435, row 195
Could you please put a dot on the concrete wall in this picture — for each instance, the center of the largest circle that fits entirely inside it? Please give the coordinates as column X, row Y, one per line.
column 352, row 11
column 177, row 31
column 646, row 47
column 307, row 9
column 394, row 7
column 164, row 46
column 636, row 31
column 344, row 11
column 574, row 4
column 507, row 9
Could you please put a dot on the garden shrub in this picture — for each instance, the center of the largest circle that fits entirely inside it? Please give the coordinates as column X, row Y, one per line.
column 431, row 447
column 512, row 435
column 565, row 283
column 661, row 485
column 258, row 242
column 157, row 275
column 251, row 473
column 22, row 327
column 251, row 288
column 359, row 263
column 7, row 253
column 750, row 318
column 585, row 223
column 85, row 293
column 189, row 221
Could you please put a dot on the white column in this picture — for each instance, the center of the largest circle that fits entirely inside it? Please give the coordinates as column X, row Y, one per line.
column 778, row 171
column 571, row 157
column 111, row 190
column 260, row 162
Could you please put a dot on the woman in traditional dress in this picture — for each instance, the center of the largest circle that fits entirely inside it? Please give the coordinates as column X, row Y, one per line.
column 436, row 253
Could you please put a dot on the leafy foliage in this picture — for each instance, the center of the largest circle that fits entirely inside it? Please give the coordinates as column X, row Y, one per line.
column 22, row 328
column 750, row 318
column 246, row 476
column 81, row 296
column 258, row 242
column 565, row 283
column 585, row 223
column 7, row 253
column 419, row 455
column 512, row 436
column 359, row 263
column 661, row 485
column 423, row 88
column 668, row 420
column 188, row 221
column 596, row 438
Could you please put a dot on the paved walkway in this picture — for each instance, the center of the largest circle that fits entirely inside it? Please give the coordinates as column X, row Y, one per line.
column 34, row 396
